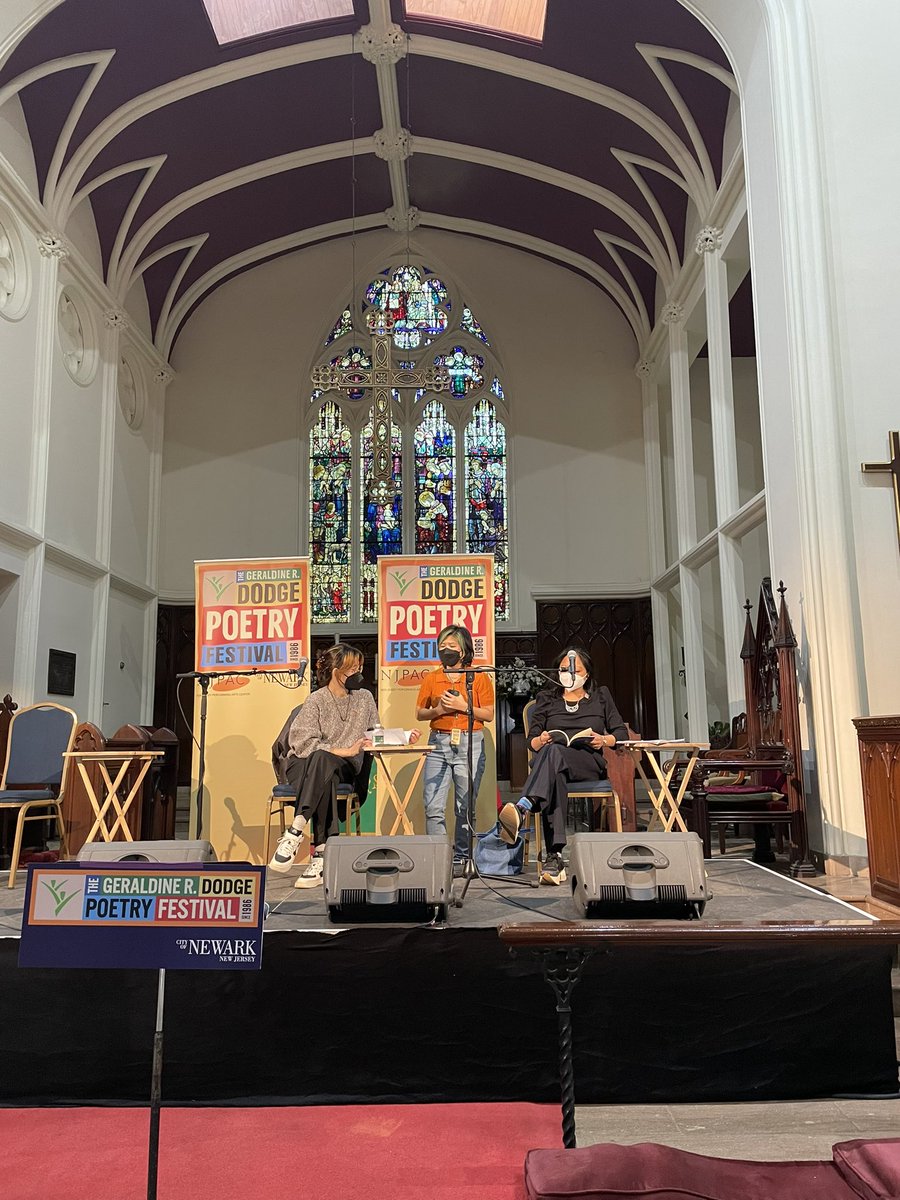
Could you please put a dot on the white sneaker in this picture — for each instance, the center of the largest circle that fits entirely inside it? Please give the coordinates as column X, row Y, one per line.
column 311, row 875
column 286, row 851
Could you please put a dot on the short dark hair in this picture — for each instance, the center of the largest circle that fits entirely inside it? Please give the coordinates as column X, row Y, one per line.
column 465, row 640
column 333, row 659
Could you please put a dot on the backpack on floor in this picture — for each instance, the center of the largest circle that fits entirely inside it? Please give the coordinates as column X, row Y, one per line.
column 493, row 856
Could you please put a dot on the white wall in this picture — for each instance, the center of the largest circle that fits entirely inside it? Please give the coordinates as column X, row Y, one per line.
column 862, row 181
column 79, row 490
column 232, row 460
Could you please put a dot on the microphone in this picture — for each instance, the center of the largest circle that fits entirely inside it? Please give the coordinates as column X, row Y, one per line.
column 572, row 665
column 301, row 668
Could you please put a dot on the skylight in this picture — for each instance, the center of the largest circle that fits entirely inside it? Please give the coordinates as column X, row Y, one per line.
column 520, row 18
column 234, row 20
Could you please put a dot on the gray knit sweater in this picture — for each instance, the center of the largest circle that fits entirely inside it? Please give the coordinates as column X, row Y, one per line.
column 326, row 720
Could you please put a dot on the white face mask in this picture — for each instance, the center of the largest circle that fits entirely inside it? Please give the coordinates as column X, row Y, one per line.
column 571, row 683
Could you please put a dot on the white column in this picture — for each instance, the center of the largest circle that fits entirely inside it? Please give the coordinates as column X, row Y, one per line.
column 682, row 448
column 721, row 403
column 662, row 649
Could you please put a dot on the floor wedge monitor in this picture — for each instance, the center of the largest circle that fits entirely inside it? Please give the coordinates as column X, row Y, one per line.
column 650, row 875
column 387, row 879
column 173, row 851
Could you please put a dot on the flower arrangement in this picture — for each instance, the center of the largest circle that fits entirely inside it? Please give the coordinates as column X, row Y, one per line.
column 520, row 680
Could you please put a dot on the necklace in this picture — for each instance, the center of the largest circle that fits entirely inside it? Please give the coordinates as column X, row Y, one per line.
column 571, row 708
column 346, row 713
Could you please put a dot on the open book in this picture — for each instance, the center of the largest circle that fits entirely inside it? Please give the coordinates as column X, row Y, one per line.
column 388, row 737
column 570, row 739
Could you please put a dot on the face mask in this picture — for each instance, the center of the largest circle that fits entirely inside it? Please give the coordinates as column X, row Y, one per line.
column 571, row 683
column 449, row 658
column 353, row 682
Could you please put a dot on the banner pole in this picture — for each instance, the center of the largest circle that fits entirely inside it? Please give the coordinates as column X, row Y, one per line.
column 156, row 1089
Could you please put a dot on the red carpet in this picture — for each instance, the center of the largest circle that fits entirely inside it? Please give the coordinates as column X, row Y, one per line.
column 357, row 1152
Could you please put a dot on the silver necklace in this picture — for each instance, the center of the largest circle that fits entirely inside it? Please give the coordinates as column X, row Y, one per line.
column 571, row 708
column 343, row 715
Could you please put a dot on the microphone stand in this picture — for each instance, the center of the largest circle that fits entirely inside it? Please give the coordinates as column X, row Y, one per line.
column 204, row 678
column 470, row 871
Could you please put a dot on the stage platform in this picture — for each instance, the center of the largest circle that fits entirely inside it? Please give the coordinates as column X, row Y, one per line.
column 445, row 1013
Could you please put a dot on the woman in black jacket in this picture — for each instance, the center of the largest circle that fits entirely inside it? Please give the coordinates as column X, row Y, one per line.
column 570, row 726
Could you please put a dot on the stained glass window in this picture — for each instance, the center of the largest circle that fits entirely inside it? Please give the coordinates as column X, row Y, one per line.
column 342, row 325
column 464, row 370
column 355, row 360
column 487, row 529
column 381, row 524
column 435, row 455
column 329, row 516
column 470, row 325
column 446, row 448
column 417, row 305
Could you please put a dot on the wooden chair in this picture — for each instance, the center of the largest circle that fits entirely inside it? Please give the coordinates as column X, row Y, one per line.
column 770, row 792
column 34, row 774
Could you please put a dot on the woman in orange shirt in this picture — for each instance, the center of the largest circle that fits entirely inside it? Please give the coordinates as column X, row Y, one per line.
column 442, row 701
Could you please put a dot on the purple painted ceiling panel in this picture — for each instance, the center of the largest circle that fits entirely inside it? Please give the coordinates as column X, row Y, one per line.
column 596, row 39
column 302, row 106
column 289, row 202
column 155, row 42
column 514, row 202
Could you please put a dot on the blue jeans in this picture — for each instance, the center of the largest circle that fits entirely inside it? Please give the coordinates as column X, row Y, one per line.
column 446, row 761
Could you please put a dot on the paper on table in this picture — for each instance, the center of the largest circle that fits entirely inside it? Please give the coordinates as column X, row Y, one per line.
column 388, row 737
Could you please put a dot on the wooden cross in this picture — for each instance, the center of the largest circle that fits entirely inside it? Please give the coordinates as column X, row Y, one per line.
column 894, row 467
column 382, row 379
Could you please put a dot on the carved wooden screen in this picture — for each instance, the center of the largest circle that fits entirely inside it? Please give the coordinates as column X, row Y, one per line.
column 618, row 635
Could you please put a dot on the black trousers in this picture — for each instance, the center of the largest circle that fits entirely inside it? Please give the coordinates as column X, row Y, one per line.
column 553, row 768
column 316, row 778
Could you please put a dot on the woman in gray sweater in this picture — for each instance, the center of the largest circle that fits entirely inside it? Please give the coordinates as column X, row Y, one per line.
column 327, row 740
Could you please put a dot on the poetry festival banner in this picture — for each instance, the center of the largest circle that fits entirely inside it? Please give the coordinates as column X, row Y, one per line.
column 418, row 595
column 206, row 917
column 252, row 632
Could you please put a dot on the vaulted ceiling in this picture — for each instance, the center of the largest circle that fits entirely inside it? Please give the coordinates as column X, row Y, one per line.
column 201, row 160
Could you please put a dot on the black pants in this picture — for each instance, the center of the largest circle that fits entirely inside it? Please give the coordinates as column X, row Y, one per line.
column 553, row 769
column 316, row 778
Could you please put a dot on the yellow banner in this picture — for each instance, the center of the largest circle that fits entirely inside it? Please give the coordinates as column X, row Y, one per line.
column 418, row 595
column 252, row 633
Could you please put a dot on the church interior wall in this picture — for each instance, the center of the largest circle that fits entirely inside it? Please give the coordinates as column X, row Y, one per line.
column 68, row 621
column 123, row 683
column 864, row 237
column 131, row 519
column 16, row 144
column 235, row 458
column 18, row 341
column 76, row 418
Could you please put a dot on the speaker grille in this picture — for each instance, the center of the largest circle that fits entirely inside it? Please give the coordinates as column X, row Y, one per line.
column 411, row 896
column 612, row 893
column 672, row 893
column 353, row 896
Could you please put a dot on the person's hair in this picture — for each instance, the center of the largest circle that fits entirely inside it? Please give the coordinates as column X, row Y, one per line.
column 582, row 653
column 465, row 640
column 334, row 658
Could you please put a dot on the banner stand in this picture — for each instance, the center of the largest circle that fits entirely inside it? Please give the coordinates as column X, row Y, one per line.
column 156, row 1089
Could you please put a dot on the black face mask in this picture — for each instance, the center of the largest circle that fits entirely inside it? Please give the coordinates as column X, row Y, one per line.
column 353, row 682
column 449, row 658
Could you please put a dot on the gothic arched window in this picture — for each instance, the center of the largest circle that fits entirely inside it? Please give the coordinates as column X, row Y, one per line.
column 448, row 449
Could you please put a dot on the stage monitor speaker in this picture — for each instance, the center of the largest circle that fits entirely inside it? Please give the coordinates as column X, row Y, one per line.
column 651, row 875
column 155, row 852
column 387, row 879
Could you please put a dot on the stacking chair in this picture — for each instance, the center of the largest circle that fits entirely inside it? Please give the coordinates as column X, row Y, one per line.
column 34, row 776
column 284, row 795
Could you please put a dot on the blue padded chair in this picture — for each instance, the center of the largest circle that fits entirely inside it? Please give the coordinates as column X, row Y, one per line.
column 33, row 780
column 284, row 795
